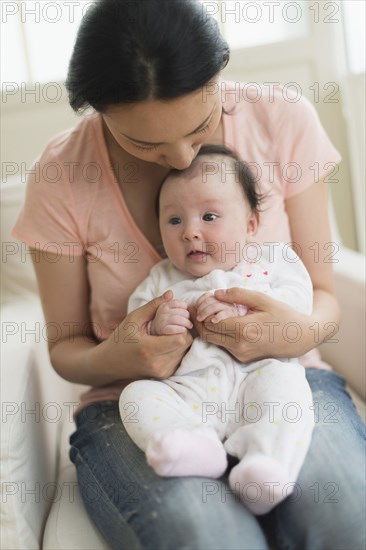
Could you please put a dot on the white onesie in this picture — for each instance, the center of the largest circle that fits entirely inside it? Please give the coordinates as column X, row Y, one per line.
column 262, row 408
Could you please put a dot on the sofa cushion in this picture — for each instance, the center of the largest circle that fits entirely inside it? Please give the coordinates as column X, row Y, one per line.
column 26, row 454
column 33, row 400
column 18, row 276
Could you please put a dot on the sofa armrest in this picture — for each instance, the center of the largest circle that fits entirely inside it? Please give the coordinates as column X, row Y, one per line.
column 347, row 353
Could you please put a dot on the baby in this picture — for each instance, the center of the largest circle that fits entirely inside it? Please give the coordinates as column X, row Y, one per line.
column 259, row 412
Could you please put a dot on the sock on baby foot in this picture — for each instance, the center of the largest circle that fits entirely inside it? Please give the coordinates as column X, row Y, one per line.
column 260, row 482
column 180, row 452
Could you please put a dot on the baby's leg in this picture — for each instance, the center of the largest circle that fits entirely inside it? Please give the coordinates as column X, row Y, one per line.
column 273, row 442
column 176, row 441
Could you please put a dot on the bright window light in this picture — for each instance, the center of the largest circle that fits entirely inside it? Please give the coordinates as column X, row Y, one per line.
column 354, row 27
column 48, row 29
column 12, row 58
column 50, row 35
column 247, row 24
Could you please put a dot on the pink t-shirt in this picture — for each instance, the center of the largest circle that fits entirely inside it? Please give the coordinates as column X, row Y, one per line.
column 74, row 205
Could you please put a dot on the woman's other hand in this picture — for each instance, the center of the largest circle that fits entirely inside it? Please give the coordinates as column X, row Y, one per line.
column 270, row 329
column 150, row 356
column 129, row 353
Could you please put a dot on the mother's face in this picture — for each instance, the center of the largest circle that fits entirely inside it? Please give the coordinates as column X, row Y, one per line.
column 169, row 132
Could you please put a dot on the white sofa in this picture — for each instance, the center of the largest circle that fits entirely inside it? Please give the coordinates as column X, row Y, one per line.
column 41, row 505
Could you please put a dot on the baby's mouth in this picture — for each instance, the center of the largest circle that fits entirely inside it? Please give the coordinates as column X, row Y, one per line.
column 197, row 255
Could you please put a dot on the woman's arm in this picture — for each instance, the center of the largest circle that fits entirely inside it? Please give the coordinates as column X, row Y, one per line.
column 273, row 329
column 74, row 352
column 308, row 215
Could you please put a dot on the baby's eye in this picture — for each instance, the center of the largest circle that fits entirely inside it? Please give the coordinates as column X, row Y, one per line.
column 209, row 217
column 174, row 221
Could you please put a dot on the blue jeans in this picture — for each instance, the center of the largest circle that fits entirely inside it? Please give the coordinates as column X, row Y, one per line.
column 136, row 509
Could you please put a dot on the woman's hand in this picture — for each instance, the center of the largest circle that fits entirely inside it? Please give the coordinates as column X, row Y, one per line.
column 270, row 329
column 147, row 356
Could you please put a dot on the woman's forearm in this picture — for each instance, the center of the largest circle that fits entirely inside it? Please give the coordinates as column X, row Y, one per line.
column 82, row 361
column 326, row 317
column 128, row 354
column 273, row 328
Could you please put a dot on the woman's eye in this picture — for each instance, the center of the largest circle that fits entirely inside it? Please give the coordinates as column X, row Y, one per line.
column 174, row 221
column 204, row 129
column 140, row 148
column 209, row 217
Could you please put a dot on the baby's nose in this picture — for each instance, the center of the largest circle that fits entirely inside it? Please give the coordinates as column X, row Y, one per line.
column 191, row 233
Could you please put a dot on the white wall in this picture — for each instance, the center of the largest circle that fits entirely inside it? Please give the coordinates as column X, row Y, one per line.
column 29, row 121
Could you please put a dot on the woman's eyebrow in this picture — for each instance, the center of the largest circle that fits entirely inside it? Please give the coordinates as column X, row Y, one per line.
column 161, row 143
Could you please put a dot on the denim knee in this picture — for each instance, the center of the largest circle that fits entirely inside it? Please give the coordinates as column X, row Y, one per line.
column 328, row 508
column 137, row 509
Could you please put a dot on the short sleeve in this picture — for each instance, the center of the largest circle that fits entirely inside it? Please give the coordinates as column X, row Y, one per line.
column 304, row 150
column 47, row 220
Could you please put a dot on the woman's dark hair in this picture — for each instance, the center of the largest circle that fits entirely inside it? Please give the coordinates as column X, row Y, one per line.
column 243, row 175
column 133, row 50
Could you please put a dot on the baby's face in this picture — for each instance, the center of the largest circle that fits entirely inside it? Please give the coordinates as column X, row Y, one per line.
column 205, row 220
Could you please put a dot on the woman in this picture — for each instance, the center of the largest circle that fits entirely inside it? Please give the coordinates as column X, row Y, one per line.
column 151, row 71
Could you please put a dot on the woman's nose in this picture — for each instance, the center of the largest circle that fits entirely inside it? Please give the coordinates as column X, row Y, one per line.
column 181, row 157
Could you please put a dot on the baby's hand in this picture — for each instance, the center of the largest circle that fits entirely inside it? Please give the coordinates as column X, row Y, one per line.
column 207, row 305
column 171, row 318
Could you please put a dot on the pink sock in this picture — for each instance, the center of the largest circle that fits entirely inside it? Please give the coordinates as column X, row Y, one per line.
column 180, row 452
column 261, row 483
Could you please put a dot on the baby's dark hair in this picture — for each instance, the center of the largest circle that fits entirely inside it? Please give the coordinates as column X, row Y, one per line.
column 243, row 175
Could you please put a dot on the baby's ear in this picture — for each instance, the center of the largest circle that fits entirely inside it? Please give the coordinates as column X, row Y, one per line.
column 252, row 223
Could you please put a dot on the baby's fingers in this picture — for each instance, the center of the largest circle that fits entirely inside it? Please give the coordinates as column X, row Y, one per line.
column 180, row 312
column 202, row 299
column 180, row 304
column 180, row 321
column 207, row 309
column 174, row 329
column 222, row 315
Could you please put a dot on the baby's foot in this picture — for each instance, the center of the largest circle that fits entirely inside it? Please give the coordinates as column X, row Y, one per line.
column 181, row 452
column 261, row 483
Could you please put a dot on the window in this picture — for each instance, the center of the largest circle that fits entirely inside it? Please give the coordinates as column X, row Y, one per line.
column 253, row 23
column 37, row 38
column 354, row 17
